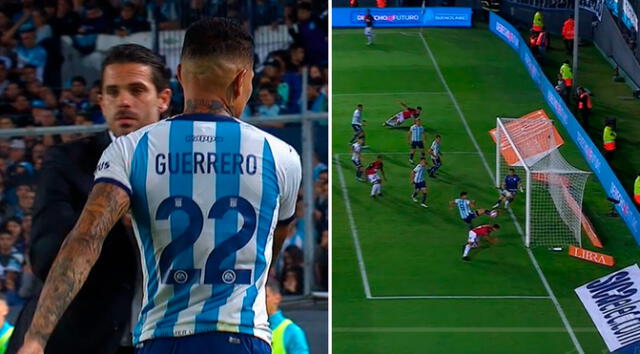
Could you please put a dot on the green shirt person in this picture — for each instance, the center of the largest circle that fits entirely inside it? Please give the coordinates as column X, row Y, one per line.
column 6, row 329
column 636, row 190
column 538, row 22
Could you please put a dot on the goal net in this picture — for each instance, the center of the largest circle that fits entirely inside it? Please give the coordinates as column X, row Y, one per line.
column 552, row 189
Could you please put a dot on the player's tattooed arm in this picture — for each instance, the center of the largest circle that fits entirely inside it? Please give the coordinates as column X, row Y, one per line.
column 107, row 203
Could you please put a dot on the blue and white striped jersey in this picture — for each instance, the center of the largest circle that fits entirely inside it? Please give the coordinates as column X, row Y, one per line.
column 416, row 132
column 206, row 194
column 435, row 149
column 464, row 207
column 357, row 117
column 419, row 176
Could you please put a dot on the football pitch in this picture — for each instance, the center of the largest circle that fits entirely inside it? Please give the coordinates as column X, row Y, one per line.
column 399, row 284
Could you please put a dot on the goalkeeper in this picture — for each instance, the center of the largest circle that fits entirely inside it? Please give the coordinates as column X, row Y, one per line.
column 509, row 189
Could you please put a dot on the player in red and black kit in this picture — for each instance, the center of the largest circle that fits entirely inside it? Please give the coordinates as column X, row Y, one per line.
column 397, row 119
column 368, row 29
column 474, row 237
column 374, row 177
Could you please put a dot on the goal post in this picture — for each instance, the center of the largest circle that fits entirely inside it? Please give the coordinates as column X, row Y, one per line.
column 553, row 189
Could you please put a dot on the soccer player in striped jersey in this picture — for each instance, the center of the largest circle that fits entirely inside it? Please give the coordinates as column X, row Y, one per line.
column 374, row 177
column 465, row 207
column 368, row 27
column 212, row 199
column 416, row 138
column 509, row 189
column 356, row 124
column 397, row 119
column 419, row 185
column 475, row 234
column 356, row 158
column 436, row 156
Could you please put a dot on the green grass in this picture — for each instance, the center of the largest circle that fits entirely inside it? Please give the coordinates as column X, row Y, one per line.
column 412, row 251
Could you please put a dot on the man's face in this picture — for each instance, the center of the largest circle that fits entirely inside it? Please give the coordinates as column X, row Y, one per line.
column 12, row 91
column 21, row 103
column 129, row 99
column 6, row 242
column 297, row 55
column 127, row 13
column 303, row 14
column 27, row 202
column 28, row 39
column 512, row 172
column 266, row 98
column 38, row 151
column 6, row 123
column 77, row 88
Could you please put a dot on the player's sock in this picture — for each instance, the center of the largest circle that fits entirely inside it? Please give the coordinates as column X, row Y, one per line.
column 506, row 204
column 411, row 157
column 424, row 198
column 467, row 248
column 373, row 190
column 359, row 174
column 414, row 195
column 497, row 204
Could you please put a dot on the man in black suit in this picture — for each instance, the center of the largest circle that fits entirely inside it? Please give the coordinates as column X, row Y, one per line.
column 134, row 93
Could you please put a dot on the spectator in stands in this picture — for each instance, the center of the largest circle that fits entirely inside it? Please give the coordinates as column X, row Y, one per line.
column 7, row 329
column 94, row 21
column 292, row 274
column 287, row 336
column 43, row 29
column 584, row 105
column 128, row 22
column 64, row 21
column 321, row 262
column 6, row 122
column 10, row 262
column 13, row 226
column 568, row 32
column 317, row 98
column 311, row 33
column 4, row 81
column 272, row 74
column 267, row 106
column 29, row 52
column 165, row 13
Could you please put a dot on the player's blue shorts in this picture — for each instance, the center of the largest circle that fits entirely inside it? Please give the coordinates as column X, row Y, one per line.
column 356, row 128
column 209, row 342
column 420, row 185
column 417, row 145
column 436, row 161
column 470, row 217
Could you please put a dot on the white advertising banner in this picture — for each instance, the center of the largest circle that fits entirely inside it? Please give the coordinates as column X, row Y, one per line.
column 613, row 302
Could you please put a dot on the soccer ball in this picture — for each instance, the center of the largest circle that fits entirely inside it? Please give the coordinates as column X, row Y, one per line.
column 493, row 213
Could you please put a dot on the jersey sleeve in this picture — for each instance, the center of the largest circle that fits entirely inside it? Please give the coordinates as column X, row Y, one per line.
column 289, row 172
column 416, row 169
column 114, row 167
column 295, row 340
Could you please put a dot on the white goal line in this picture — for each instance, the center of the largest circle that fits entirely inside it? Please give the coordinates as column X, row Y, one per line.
column 460, row 297
column 389, row 93
column 460, row 330
column 339, row 154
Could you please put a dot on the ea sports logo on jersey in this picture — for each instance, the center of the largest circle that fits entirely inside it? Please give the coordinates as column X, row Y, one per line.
column 229, row 276
column 180, row 277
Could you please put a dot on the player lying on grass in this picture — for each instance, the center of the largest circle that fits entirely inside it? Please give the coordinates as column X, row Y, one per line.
column 374, row 178
column 417, row 178
column 356, row 158
column 509, row 189
column 436, row 156
column 415, row 137
column 465, row 207
column 474, row 238
column 407, row 112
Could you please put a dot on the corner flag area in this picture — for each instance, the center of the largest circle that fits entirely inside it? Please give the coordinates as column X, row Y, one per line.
column 399, row 283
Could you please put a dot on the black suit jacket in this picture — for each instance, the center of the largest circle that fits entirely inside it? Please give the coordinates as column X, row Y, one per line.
column 97, row 318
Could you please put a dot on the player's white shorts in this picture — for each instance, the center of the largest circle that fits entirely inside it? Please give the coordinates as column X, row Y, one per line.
column 505, row 193
column 472, row 237
column 399, row 118
column 373, row 178
column 368, row 31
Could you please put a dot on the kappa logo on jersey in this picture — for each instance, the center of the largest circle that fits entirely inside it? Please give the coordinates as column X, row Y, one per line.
column 103, row 165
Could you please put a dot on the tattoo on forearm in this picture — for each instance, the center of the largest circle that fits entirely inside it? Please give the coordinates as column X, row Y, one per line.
column 207, row 106
column 79, row 252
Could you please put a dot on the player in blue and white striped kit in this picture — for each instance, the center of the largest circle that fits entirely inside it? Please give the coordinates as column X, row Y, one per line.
column 465, row 207
column 419, row 185
column 211, row 198
column 356, row 158
column 436, row 156
column 416, row 138
column 356, row 123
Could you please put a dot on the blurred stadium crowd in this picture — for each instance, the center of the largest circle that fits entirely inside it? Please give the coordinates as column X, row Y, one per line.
column 33, row 94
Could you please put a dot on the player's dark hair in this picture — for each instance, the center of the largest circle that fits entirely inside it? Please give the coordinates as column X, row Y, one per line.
column 217, row 37
column 419, row 107
column 462, row 194
column 274, row 285
column 304, row 6
column 496, row 226
column 437, row 136
column 359, row 105
column 137, row 54
column 512, row 169
column 379, row 156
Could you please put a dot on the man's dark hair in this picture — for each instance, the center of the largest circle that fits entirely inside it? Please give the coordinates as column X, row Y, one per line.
column 438, row 136
column 304, row 6
column 217, row 37
column 30, row 66
column 462, row 194
column 274, row 285
column 420, row 108
column 360, row 105
column 135, row 53
column 79, row 79
column 496, row 226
